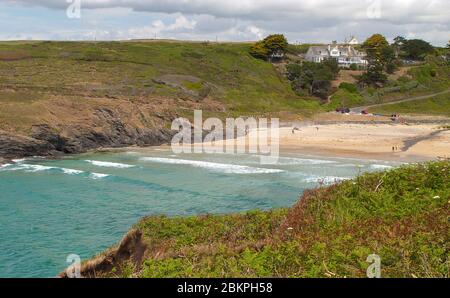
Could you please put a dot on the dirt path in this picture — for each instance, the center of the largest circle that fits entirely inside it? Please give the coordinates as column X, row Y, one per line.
column 360, row 109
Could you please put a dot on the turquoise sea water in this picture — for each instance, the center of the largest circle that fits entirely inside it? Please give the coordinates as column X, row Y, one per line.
column 84, row 204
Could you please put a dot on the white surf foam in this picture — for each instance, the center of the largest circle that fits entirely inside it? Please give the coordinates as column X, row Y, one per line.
column 285, row 161
column 71, row 171
column 302, row 161
column 220, row 167
column 33, row 168
column 29, row 168
column 5, row 165
column 96, row 176
column 109, row 164
column 20, row 160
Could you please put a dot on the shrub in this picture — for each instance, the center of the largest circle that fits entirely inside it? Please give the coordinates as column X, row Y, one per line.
column 353, row 66
column 349, row 87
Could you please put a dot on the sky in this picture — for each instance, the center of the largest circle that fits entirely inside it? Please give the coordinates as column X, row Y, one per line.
column 302, row 21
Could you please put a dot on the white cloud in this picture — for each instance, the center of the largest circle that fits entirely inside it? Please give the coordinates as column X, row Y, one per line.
column 315, row 20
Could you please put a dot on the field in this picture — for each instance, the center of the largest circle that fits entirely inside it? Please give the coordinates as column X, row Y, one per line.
column 400, row 215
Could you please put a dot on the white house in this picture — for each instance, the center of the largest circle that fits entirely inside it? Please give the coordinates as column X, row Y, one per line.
column 346, row 54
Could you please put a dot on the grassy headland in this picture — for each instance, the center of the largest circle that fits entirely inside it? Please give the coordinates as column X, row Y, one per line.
column 400, row 215
column 145, row 72
column 69, row 97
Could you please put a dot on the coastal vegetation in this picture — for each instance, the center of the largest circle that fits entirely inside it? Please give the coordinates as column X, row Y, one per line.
column 401, row 215
column 312, row 79
column 437, row 106
column 275, row 44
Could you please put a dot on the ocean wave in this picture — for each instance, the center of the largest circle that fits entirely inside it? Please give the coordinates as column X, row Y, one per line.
column 32, row 168
column 71, row 171
column 219, row 167
column 285, row 161
column 5, row 165
column 109, row 164
column 96, row 176
column 29, row 168
column 325, row 179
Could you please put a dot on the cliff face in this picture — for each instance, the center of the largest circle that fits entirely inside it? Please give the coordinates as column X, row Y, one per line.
column 114, row 125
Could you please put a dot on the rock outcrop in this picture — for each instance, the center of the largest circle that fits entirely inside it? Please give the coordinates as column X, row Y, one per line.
column 105, row 129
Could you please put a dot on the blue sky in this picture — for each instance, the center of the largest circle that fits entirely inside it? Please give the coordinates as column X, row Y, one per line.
column 232, row 20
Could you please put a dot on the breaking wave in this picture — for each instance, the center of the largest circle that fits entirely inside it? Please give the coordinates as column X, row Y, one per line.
column 107, row 164
column 218, row 167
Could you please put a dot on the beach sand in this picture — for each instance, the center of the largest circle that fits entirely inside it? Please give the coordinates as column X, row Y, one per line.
column 380, row 141
column 394, row 142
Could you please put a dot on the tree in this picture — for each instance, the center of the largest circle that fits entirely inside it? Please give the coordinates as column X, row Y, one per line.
column 374, row 75
column 380, row 57
column 332, row 65
column 374, row 47
column 270, row 45
column 416, row 49
column 275, row 43
column 309, row 78
column 399, row 41
column 258, row 50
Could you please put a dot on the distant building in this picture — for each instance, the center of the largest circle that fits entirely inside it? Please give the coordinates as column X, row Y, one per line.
column 352, row 41
column 346, row 54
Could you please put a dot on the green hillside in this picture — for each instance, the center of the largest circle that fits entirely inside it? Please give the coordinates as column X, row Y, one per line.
column 431, row 77
column 439, row 106
column 400, row 215
column 33, row 71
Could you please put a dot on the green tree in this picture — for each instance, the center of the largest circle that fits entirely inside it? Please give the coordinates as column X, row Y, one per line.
column 374, row 47
column 310, row 78
column 416, row 49
column 259, row 50
column 374, row 75
column 380, row 57
column 275, row 43
column 270, row 45
column 399, row 41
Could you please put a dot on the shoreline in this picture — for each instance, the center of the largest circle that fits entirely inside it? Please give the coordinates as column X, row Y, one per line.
column 394, row 142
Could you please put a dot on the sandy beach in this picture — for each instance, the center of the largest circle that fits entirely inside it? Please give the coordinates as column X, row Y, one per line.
column 380, row 141
column 387, row 141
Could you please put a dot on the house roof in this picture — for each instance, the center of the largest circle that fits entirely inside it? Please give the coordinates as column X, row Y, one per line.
column 346, row 50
